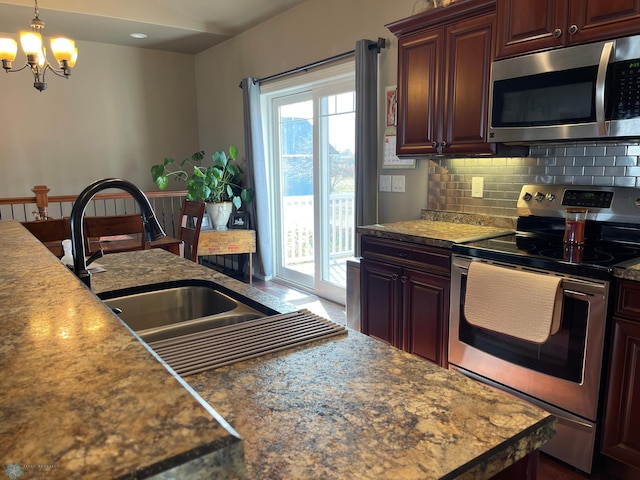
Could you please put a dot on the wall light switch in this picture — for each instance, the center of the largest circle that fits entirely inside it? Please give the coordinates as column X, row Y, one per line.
column 385, row 183
column 477, row 187
column 397, row 183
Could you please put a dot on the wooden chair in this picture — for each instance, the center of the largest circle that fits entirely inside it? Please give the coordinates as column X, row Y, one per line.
column 114, row 233
column 51, row 232
column 191, row 215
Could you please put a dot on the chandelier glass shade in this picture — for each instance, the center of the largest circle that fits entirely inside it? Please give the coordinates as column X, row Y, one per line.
column 64, row 51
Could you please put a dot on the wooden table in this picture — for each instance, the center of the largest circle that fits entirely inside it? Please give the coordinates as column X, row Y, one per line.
column 227, row 242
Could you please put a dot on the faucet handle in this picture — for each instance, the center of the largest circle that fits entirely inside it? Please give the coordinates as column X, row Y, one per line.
column 96, row 255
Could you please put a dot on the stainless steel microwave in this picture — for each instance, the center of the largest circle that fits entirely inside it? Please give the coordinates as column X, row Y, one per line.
column 584, row 92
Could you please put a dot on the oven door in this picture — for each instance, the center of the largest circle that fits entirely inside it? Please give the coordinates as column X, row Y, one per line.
column 564, row 371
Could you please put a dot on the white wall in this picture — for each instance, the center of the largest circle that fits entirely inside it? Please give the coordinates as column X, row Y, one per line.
column 122, row 110
column 315, row 30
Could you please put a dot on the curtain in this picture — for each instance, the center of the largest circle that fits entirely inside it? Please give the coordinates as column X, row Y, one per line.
column 257, row 175
column 366, row 154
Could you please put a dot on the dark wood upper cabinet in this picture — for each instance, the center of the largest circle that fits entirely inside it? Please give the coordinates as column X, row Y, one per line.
column 533, row 25
column 444, row 60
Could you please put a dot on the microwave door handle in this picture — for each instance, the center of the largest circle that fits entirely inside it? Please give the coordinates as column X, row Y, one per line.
column 601, row 78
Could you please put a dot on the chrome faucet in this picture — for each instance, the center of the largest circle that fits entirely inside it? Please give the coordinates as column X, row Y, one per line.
column 152, row 228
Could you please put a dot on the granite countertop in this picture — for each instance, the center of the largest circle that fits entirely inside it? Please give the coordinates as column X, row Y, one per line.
column 85, row 395
column 354, row 407
column 630, row 271
column 435, row 233
column 80, row 396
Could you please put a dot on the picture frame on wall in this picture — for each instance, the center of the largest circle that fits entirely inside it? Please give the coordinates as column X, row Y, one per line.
column 239, row 221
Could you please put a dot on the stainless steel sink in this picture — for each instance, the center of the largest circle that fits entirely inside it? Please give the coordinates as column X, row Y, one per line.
column 166, row 310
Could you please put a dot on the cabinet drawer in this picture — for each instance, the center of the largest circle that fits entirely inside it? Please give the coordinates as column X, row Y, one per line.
column 433, row 259
column 628, row 304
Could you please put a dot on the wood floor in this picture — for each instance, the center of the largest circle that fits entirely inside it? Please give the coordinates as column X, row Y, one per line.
column 548, row 469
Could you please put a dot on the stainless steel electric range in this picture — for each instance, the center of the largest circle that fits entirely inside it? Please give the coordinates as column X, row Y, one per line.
column 565, row 373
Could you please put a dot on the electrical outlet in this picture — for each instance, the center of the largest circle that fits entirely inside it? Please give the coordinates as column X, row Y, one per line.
column 397, row 183
column 477, row 187
column 385, row 183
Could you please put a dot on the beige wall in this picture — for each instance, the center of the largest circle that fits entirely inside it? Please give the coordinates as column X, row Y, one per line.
column 122, row 110
column 315, row 30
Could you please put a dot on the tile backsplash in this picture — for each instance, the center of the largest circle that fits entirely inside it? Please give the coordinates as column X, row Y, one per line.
column 599, row 164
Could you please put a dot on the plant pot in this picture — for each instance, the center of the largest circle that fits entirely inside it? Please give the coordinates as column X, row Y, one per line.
column 219, row 213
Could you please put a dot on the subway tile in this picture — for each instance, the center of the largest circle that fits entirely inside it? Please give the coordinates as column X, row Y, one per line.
column 614, row 171
column 584, row 161
column 603, row 181
column 575, row 151
column 628, row 161
column 616, row 150
column 594, row 171
column 574, row 170
column 595, row 151
column 633, row 172
column 624, row 181
column 606, row 161
column 633, row 150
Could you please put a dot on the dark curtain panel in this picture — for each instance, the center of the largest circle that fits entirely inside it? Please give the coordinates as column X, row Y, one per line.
column 257, row 176
column 366, row 155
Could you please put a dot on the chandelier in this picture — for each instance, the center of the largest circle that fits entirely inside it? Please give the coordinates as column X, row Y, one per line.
column 64, row 51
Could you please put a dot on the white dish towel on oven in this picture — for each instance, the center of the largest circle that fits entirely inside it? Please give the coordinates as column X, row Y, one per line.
column 521, row 304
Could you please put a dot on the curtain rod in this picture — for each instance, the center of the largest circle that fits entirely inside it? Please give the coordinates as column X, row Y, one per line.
column 380, row 44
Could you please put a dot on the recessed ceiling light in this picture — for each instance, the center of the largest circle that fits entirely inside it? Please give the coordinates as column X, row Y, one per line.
column 138, row 35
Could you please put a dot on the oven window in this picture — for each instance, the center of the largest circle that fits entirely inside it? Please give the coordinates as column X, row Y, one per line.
column 561, row 356
column 547, row 99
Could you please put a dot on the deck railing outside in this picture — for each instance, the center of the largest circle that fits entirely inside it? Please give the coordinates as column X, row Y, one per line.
column 298, row 229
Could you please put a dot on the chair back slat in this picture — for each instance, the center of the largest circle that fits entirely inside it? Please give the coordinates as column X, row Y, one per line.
column 190, row 225
column 114, row 233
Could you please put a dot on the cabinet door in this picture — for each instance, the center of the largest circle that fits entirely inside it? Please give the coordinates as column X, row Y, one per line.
column 380, row 301
column 469, row 50
column 419, row 72
column 425, row 314
column 621, row 428
column 595, row 20
column 524, row 27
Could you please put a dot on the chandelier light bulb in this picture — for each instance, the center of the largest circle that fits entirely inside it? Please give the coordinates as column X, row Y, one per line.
column 31, row 43
column 62, row 48
column 8, row 49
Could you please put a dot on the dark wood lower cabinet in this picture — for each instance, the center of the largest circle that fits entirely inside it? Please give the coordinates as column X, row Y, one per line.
column 404, row 299
column 621, row 426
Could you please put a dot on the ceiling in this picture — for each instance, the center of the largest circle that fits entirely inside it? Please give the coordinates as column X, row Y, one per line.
column 183, row 26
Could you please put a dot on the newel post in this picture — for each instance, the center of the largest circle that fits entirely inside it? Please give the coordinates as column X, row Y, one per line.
column 42, row 201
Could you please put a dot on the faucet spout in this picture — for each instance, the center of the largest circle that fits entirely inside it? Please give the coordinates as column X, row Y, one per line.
column 152, row 228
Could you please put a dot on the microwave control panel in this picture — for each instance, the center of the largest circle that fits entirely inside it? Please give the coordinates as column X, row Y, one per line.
column 625, row 82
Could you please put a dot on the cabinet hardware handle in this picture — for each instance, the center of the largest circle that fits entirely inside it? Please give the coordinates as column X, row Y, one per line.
column 573, row 29
column 404, row 278
column 394, row 277
column 444, row 143
column 557, row 32
column 434, row 144
column 404, row 254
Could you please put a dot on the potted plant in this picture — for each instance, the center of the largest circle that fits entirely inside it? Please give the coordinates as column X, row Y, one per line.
column 219, row 184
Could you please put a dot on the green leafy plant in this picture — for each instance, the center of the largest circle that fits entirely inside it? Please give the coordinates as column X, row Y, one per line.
column 219, row 182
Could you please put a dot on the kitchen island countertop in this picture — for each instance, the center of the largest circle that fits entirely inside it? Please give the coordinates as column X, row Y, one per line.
column 349, row 406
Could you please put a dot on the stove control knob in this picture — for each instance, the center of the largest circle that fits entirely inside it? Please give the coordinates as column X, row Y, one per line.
column 550, row 196
column 527, row 196
column 539, row 196
column 637, row 202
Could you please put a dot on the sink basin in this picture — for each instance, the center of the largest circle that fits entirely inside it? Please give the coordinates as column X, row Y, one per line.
column 166, row 310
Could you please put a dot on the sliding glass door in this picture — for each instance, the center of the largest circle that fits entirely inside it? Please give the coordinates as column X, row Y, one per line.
column 312, row 138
